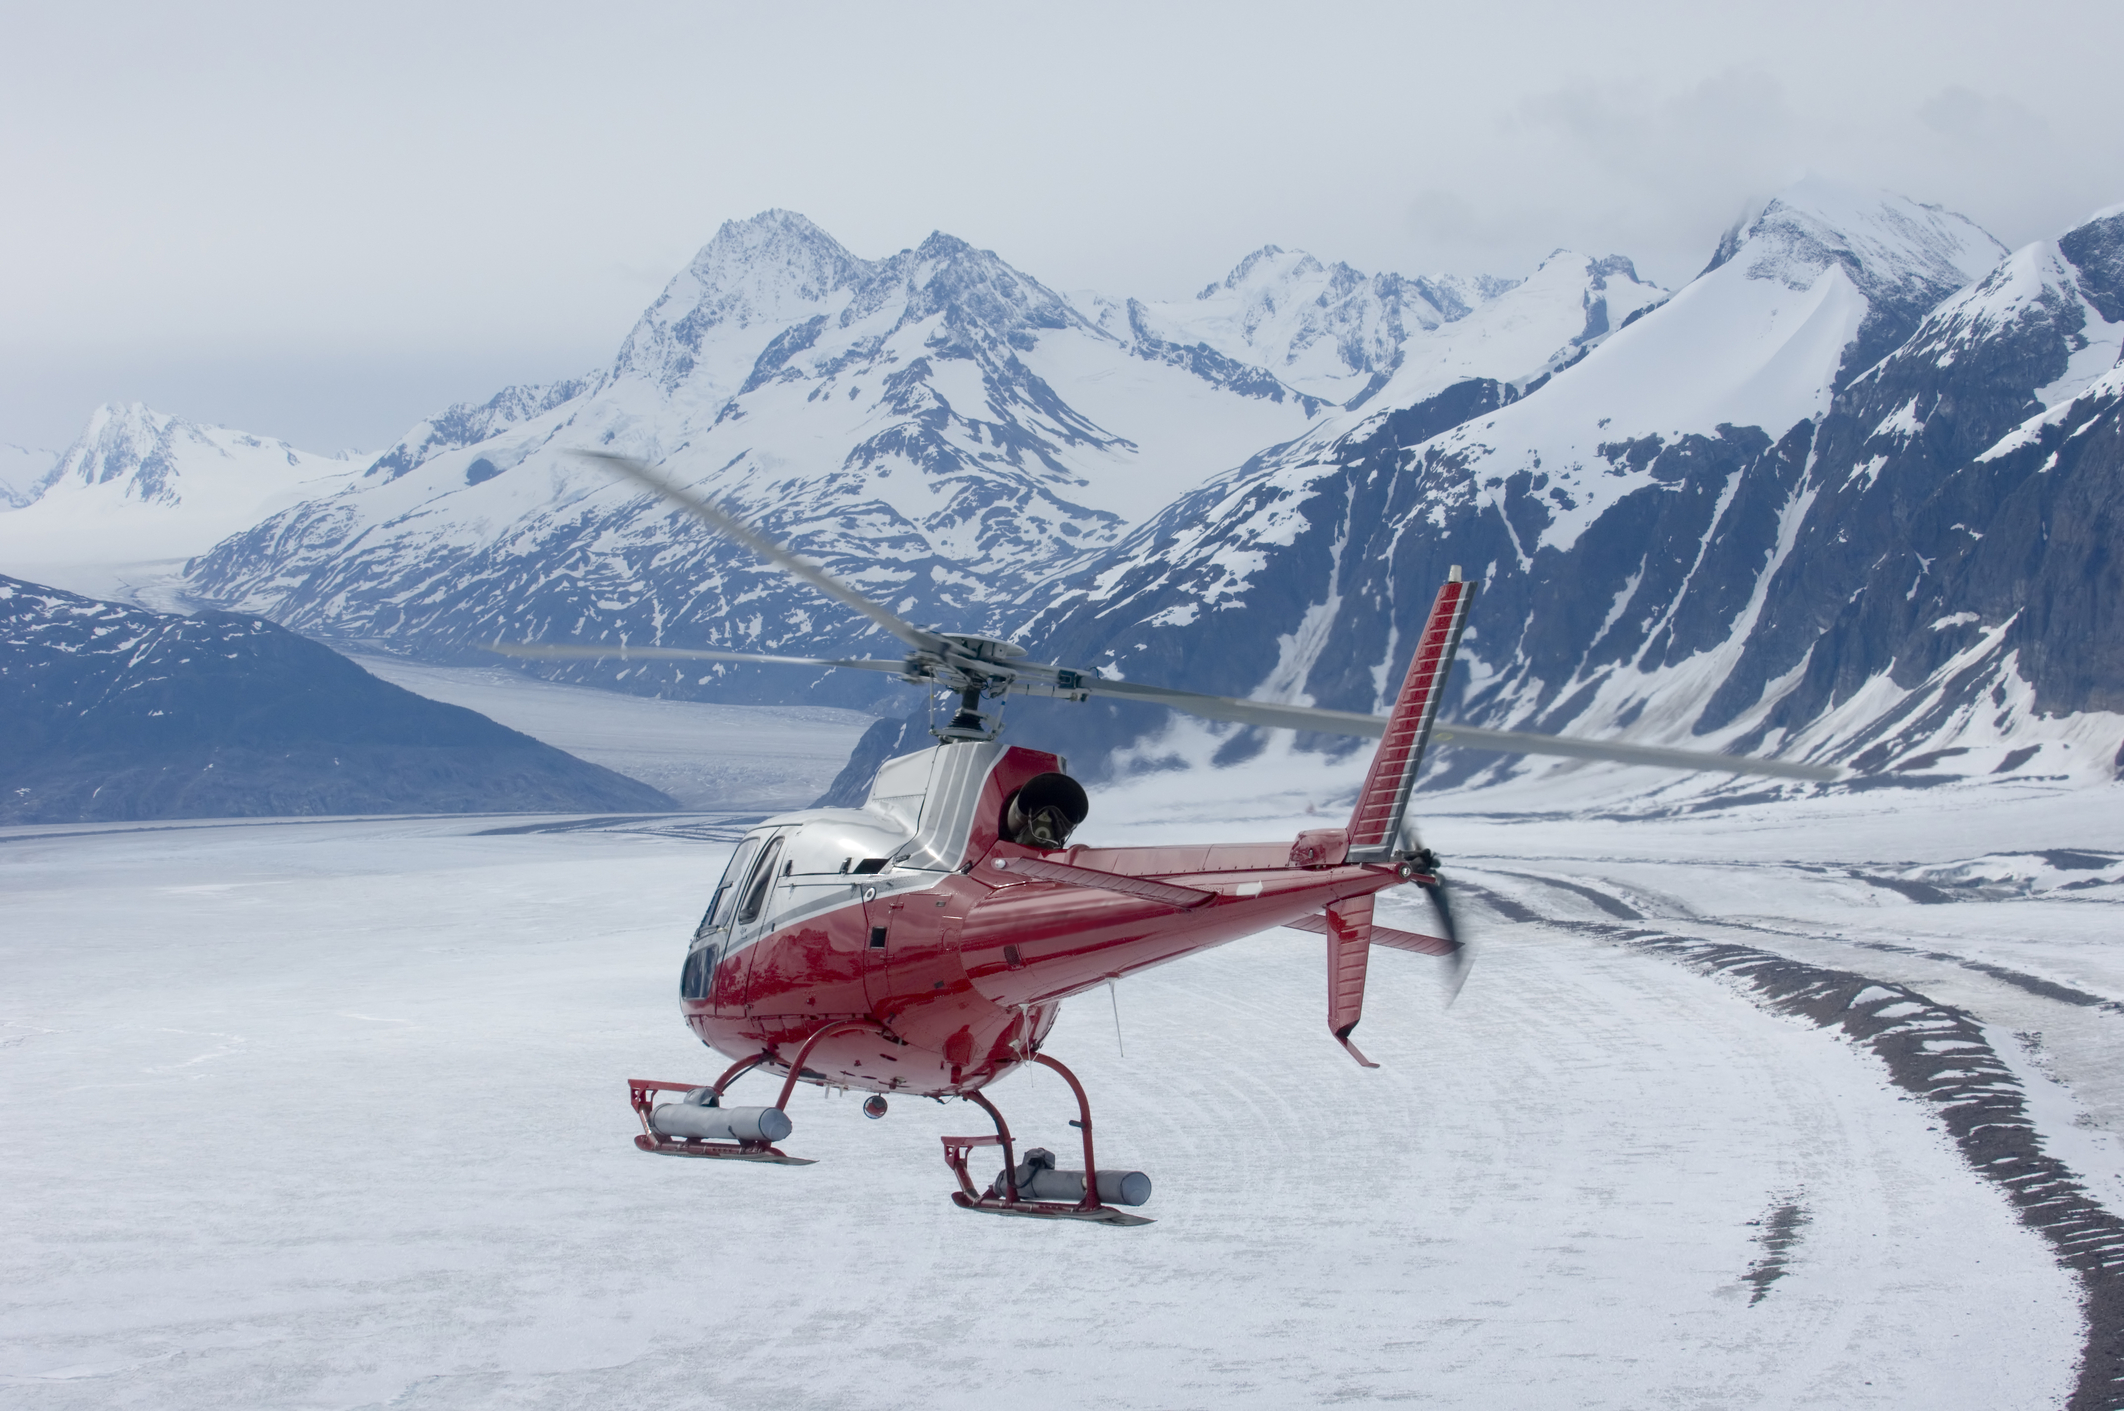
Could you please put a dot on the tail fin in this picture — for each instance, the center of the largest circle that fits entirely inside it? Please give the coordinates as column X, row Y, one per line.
column 1375, row 824
column 1349, row 938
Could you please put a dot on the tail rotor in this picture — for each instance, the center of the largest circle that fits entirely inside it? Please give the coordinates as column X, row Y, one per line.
column 1461, row 959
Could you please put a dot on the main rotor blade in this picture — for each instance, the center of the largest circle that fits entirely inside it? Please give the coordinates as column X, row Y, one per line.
column 1345, row 722
column 732, row 527
column 1522, row 742
column 539, row 652
column 1287, row 717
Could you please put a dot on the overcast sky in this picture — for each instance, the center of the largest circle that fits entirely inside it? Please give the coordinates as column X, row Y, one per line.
column 324, row 222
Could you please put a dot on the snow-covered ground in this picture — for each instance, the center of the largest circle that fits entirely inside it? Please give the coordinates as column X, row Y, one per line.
column 703, row 755
column 330, row 1114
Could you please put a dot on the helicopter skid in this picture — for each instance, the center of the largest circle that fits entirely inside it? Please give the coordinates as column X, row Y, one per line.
column 1048, row 1210
column 720, row 1151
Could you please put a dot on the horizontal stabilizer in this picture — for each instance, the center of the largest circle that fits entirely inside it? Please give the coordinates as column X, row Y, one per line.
column 1385, row 936
column 1039, row 870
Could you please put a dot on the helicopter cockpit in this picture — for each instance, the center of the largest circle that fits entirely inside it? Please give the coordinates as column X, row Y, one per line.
column 779, row 873
column 912, row 829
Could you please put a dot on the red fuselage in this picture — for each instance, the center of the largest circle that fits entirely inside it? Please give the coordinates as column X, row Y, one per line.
column 959, row 964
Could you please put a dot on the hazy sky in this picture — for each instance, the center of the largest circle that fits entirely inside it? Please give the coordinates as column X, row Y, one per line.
column 322, row 222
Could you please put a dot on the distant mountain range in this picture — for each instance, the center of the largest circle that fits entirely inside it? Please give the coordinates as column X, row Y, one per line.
column 1844, row 496
column 113, row 712
column 937, row 426
column 24, row 473
column 142, row 488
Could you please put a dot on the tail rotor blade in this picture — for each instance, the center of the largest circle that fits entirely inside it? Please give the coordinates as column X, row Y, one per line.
column 1462, row 960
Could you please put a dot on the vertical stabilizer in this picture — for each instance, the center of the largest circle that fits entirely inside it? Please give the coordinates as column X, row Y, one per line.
column 1349, row 945
column 1376, row 823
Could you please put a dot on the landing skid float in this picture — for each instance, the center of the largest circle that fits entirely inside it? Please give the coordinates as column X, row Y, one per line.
column 922, row 944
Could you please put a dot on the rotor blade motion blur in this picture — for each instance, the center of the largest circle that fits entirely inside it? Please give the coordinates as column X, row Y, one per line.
column 732, row 527
column 1345, row 722
column 536, row 651
column 1522, row 742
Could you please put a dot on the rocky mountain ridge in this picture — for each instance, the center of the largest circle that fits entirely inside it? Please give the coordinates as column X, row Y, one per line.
column 1721, row 529
column 936, row 426
column 109, row 711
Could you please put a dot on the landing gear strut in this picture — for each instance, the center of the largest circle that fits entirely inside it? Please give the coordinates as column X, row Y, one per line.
column 1046, row 1194
column 699, row 1125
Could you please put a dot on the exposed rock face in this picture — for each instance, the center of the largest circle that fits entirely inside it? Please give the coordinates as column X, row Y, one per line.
column 1725, row 526
column 112, row 712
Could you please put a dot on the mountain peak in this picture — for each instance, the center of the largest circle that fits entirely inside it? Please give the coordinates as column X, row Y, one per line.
column 1902, row 256
column 129, row 440
column 770, row 270
column 752, row 267
column 980, row 295
column 1888, row 244
column 940, row 245
column 1271, row 264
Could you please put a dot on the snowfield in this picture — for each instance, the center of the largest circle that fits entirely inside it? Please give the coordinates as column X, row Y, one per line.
column 330, row 1114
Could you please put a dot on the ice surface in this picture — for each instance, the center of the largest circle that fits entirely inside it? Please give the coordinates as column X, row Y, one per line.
column 329, row 1114
column 767, row 758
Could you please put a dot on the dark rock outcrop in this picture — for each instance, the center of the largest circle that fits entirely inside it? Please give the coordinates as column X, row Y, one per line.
column 112, row 712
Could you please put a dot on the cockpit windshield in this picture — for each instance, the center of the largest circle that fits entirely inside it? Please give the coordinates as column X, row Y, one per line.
column 762, row 881
column 725, row 899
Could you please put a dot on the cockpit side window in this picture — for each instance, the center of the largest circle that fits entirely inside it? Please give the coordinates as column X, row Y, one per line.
column 761, row 883
column 724, row 900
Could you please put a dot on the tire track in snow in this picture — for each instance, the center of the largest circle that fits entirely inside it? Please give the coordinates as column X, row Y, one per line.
column 1937, row 1053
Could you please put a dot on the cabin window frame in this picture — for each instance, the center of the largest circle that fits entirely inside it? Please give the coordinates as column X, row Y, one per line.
column 760, row 884
column 739, row 866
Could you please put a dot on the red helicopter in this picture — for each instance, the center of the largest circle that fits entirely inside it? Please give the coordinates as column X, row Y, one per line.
column 923, row 943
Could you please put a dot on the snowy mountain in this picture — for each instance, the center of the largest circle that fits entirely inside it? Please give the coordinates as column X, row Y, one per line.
column 1961, row 594
column 1707, row 519
column 143, row 487
column 23, row 471
column 936, row 426
column 1328, row 331
column 1718, row 529
column 112, row 712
